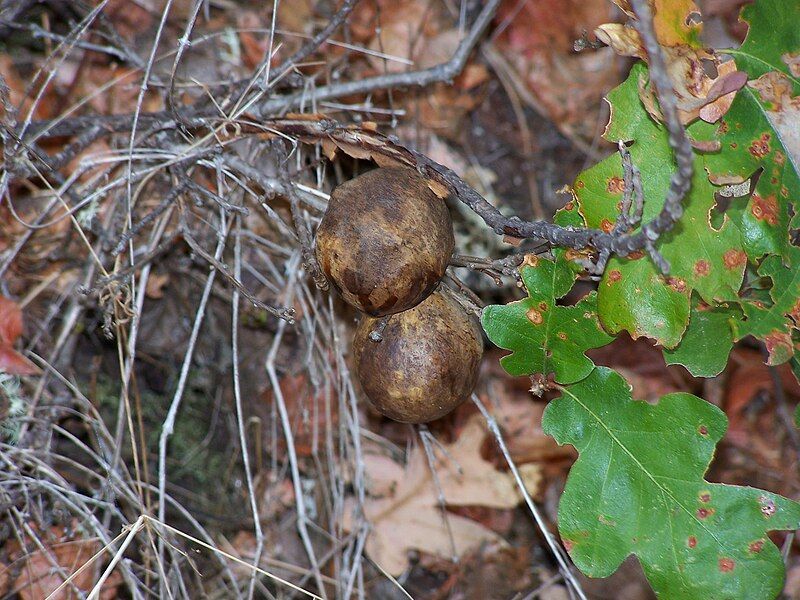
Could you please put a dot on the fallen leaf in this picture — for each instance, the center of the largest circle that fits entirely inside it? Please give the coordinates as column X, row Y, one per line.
column 537, row 41
column 403, row 506
column 11, row 361
column 40, row 572
column 156, row 284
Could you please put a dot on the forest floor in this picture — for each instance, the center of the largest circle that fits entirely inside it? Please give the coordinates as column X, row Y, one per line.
column 151, row 393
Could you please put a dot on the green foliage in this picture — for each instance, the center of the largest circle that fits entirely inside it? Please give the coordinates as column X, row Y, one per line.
column 546, row 338
column 638, row 488
column 707, row 342
column 772, row 35
column 633, row 295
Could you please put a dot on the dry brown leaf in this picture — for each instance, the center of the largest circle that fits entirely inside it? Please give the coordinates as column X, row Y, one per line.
column 156, row 284
column 38, row 571
column 783, row 109
column 699, row 95
column 12, row 361
column 407, row 514
column 537, row 44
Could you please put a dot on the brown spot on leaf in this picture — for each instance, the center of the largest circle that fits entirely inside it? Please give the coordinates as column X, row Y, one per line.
column 568, row 545
column 779, row 158
column 705, row 497
column 778, row 342
column 722, row 128
column 569, row 205
column 756, row 547
column 613, row 276
column 616, row 185
column 702, row 268
column 606, row 225
column 691, row 542
column 765, row 209
column 580, row 185
column 760, row 147
column 794, row 313
column 704, row 513
column 768, row 507
column 677, row 284
column 534, row 316
column 784, row 191
column 792, row 60
column 562, row 335
column 726, row 565
column 636, row 255
column 530, row 260
column 734, row 258
column 734, row 145
column 543, row 306
column 702, row 430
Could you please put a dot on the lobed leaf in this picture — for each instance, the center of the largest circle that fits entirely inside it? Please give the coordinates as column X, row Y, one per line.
column 633, row 296
column 707, row 342
column 544, row 337
column 638, row 488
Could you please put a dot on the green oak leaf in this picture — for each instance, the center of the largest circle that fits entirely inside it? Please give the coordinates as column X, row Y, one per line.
column 760, row 129
column 638, row 488
column 546, row 338
column 772, row 39
column 774, row 323
column 633, row 295
column 707, row 342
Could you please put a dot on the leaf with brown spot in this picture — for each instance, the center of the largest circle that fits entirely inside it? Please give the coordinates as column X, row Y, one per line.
column 544, row 337
column 633, row 295
column 638, row 488
column 774, row 324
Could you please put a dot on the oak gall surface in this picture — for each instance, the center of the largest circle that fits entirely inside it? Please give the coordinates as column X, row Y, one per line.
column 385, row 240
column 427, row 363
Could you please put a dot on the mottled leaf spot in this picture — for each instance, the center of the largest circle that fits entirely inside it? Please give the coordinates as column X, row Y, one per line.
column 726, row 565
column 734, row 258
column 760, row 147
column 534, row 316
column 734, row 145
column 636, row 255
column 702, row 430
column 530, row 260
column 677, row 284
column 580, row 185
column 568, row 545
column 784, row 191
column 779, row 158
column 756, row 547
column 702, row 268
column 794, row 313
column 779, row 343
column 705, row 497
column 704, row 513
column 614, row 276
column 765, row 209
column 543, row 306
column 773, row 180
column 562, row 336
column 768, row 507
column 691, row 542
column 569, row 205
column 792, row 60
column 606, row 225
column 722, row 128
column 616, row 185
